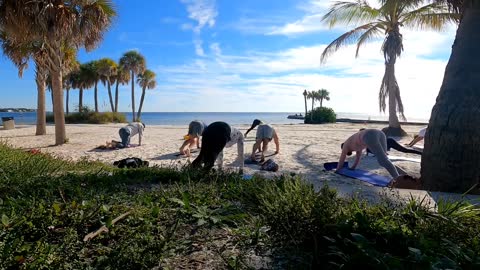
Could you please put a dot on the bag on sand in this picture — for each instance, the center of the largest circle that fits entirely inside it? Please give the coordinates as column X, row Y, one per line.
column 270, row 166
column 405, row 181
column 132, row 162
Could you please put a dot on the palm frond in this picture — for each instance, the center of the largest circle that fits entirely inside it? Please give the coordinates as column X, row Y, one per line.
column 357, row 12
column 370, row 34
column 433, row 16
column 345, row 39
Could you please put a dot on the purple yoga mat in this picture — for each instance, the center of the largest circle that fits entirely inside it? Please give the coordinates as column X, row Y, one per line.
column 366, row 176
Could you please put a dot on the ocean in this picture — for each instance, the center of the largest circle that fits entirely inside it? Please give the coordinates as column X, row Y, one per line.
column 233, row 118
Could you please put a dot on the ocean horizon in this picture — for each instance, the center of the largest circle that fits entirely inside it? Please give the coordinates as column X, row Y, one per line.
column 234, row 118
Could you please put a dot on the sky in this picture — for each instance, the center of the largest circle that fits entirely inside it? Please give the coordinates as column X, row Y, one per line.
column 249, row 56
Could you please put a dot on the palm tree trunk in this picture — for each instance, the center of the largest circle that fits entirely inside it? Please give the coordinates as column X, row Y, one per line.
column 80, row 100
column 306, row 110
column 451, row 157
column 96, row 97
column 116, row 97
column 311, row 113
column 392, row 110
column 133, row 97
column 141, row 104
column 41, row 128
column 110, row 95
column 321, row 102
column 59, row 116
column 66, row 101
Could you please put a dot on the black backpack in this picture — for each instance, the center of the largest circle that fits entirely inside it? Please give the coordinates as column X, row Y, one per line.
column 132, row 162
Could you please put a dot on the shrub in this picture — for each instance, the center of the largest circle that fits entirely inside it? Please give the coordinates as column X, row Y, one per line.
column 320, row 116
column 88, row 117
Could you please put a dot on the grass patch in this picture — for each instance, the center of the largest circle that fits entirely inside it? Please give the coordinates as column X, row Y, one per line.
column 183, row 218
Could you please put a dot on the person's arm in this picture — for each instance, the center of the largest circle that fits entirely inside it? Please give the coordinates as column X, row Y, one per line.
column 343, row 156
column 357, row 160
column 415, row 140
column 276, row 141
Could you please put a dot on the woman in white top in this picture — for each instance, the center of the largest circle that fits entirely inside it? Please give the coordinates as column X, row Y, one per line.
column 215, row 138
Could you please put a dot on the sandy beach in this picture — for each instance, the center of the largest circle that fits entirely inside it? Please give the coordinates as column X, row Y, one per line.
column 303, row 148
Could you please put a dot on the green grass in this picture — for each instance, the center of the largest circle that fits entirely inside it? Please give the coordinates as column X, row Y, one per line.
column 183, row 218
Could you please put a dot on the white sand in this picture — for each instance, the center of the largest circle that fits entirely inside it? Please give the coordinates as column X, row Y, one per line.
column 303, row 148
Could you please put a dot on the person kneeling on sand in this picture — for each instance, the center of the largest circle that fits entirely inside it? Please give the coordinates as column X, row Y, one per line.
column 132, row 129
column 376, row 141
column 265, row 133
column 419, row 137
column 195, row 130
column 216, row 137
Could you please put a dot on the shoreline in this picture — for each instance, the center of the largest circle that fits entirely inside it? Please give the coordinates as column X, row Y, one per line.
column 339, row 121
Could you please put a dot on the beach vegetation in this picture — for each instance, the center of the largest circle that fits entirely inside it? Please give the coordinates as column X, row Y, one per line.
column 135, row 63
column 58, row 214
column 56, row 25
column 451, row 156
column 146, row 80
column 88, row 116
column 321, row 115
column 386, row 20
column 323, row 94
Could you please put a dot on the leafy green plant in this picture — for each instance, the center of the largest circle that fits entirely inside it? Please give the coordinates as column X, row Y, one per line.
column 321, row 115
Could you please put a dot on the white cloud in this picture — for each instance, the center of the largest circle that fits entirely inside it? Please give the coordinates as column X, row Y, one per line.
column 308, row 24
column 274, row 81
column 204, row 13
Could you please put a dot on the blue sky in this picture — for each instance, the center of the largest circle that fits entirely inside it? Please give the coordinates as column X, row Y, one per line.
column 249, row 55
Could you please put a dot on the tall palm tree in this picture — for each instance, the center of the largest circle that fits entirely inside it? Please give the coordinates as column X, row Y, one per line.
column 385, row 21
column 121, row 77
column 146, row 80
column 85, row 80
column 57, row 24
column 312, row 95
column 136, row 64
column 305, row 94
column 95, row 78
column 323, row 94
column 451, row 156
column 107, row 68
column 20, row 53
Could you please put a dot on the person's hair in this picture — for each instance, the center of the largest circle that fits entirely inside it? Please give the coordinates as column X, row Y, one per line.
column 361, row 129
column 255, row 123
column 143, row 125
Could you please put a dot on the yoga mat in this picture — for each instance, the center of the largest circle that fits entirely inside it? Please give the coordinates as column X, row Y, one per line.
column 247, row 177
column 368, row 177
column 398, row 158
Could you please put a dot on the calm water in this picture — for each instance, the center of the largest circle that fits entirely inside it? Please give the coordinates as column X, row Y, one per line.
column 183, row 118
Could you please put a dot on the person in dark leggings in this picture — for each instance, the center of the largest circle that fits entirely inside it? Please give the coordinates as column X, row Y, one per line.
column 391, row 143
column 373, row 139
column 216, row 137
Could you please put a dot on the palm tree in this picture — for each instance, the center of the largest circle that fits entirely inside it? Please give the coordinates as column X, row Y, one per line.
column 121, row 77
column 451, row 156
column 323, row 94
column 107, row 68
column 135, row 63
column 85, row 80
column 147, row 81
column 95, row 77
column 385, row 21
column 56, row 24
column 20, row 53
column 305, row 94
column 312, row 95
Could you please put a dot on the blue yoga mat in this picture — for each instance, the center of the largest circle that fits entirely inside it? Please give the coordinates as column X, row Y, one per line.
column 366, row 176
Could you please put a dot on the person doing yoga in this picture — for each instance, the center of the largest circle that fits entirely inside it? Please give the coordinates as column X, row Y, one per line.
column 195, row 131
column 419, row 137
column 373, row 139
column 265, row 133
column 215, row 138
